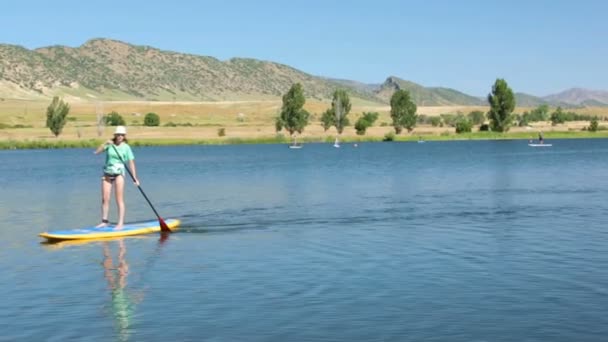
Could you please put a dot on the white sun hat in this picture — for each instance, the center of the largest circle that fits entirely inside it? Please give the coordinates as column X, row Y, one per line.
column 120, row 130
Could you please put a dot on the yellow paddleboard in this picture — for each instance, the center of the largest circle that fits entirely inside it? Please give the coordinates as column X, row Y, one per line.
column 109, row 231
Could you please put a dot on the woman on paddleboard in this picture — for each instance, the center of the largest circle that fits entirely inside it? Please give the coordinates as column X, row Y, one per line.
column 117, row 150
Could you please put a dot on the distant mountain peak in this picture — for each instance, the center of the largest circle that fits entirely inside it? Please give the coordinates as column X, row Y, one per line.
column 580, row 96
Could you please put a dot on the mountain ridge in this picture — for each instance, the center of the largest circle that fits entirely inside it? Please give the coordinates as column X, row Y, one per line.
column 110, row 69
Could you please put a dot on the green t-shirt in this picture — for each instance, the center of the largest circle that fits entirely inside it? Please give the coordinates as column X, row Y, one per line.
column 113, row 164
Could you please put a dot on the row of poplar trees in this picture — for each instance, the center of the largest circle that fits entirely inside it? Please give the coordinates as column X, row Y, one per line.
column 294, row 118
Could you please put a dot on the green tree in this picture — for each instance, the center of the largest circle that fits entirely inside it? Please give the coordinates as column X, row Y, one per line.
column 593, row 125
column 56, row 115
column 463, row 125
column 477, row 117
column 403, row 111
column 293, row 117
column 151, row 119
column 558, row 116
column 365, row 121
column 540, row 113
column 114, row 119
column 327, row 119
column 340, row 106
column 502, row 104
column 436, row 121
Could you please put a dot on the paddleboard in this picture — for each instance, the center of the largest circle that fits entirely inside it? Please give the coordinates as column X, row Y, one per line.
column 540, row 145
column 109, row 231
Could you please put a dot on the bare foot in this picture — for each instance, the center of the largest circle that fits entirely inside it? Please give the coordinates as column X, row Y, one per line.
column 119, row 226
column 101, row 225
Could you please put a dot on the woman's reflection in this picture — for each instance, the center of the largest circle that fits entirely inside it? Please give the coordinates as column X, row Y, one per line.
column 117, row 282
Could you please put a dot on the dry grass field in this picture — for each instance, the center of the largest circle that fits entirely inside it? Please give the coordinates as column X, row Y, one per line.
column 200, row 121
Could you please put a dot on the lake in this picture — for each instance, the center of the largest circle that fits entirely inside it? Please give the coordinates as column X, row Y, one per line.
column 440, row 241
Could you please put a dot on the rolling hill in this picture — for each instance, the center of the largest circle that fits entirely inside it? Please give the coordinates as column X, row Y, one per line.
column 105, row 69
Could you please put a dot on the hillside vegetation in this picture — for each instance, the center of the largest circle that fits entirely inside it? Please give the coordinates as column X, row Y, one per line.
column 110, row 70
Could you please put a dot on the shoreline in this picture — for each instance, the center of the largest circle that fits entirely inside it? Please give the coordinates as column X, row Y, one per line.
column 59, row 143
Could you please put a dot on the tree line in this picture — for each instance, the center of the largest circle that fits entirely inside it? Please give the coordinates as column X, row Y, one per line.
column 294, row 118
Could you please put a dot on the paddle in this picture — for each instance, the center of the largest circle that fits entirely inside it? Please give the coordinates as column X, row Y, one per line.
column 163, row 226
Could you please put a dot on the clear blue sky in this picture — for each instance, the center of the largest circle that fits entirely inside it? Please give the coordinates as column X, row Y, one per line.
column 539, row 46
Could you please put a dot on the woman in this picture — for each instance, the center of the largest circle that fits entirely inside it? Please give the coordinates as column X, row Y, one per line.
column 114, row 174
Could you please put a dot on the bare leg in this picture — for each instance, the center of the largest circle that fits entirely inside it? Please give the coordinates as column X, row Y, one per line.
column 106, row 189
column 120, row 201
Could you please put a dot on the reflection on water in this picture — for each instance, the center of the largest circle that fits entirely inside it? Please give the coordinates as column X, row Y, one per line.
column 122, row 305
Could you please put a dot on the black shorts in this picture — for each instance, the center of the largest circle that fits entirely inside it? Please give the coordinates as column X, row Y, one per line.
column 110, row 177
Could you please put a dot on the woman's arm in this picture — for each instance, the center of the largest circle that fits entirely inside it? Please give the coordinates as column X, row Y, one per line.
column 102, row 147
column 133, row 171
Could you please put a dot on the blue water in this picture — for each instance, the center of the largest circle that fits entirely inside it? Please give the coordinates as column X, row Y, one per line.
column 442, row 241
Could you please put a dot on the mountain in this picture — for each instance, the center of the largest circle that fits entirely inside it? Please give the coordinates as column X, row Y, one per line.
column 108, row 69
column 113, row 70
column 423, row 96
column 580, row 97
column 525, row 100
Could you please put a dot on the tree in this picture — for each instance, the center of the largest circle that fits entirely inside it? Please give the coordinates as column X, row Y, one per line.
column 151, row 119
column 463, row 125
column 540, row 113
column 558, row 117
column 114, row 119
column 365, row 121
column 502, row 104
column 593, row 125
column 340, row 106
column 403, row 111
column 293, row 117
column 476, row 117
column 327, row 119
column 56, row 115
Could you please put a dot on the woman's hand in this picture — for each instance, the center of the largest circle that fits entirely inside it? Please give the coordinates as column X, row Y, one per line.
column 136, row 181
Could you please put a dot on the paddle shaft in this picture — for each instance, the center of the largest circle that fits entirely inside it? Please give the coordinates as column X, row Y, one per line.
column 163, row 225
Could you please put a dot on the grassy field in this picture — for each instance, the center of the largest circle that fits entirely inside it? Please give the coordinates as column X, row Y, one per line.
column 242, row 122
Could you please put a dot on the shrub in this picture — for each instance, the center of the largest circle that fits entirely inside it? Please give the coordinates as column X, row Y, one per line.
column 477, row 117
column 436, row 121
column 463, row 126
column 365, row 121
column 593, row 125
column 221, row 132
column 114, row 119
column 484, row 128
column 390, row 136
column 151, row 119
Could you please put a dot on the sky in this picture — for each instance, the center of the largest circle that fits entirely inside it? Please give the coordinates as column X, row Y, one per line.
column 539, row 47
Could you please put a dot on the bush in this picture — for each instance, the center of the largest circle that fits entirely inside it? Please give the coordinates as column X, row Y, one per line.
column 558, row 117
column 151, row 119
column 477, row 117
column 436, row 121
column 365, row 121
column 390, row 136
column 463, row 126
column 484, row 128
column 114, row 119
column 221, row 132
column 593, row 125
